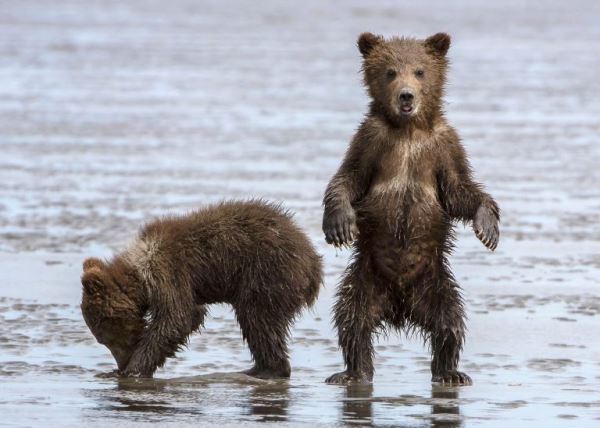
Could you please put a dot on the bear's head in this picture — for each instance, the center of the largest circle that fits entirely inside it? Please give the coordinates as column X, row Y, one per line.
column 405, row 77
column 110, row 307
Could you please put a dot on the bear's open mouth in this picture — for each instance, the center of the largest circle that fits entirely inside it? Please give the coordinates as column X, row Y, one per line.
column 406, row 108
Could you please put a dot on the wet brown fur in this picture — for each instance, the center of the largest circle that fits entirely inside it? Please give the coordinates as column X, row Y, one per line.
column 145, row 302
column 403, row 182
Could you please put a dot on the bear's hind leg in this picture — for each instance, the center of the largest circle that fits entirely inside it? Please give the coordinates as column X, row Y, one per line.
column 266, row 332
column 357, row 315
column 437, row 307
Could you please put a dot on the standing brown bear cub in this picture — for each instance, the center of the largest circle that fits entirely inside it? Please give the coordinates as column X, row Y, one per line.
column 403, row 182
column 146, row 301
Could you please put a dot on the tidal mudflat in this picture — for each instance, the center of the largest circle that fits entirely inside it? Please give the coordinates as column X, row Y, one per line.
column 114, row 112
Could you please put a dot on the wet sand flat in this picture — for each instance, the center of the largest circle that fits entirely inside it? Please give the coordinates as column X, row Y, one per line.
column 114, row 112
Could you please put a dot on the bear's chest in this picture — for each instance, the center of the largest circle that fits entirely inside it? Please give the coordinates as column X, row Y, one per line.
column 406, row 168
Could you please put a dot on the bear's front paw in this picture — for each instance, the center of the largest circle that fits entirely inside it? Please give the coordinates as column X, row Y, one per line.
column 133, row 373
column 340, row 227
column 485, row 226
column 452, row 377
column 135, row 368
column 346, row 377
column 108, row 375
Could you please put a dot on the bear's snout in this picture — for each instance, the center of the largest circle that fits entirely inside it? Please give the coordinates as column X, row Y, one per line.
column 406, row 99
column 407, row 95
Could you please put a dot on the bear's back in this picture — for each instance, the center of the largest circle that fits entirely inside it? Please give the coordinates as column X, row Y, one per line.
column 217, row 248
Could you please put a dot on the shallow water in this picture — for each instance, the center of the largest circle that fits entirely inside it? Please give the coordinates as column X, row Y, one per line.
column 111, row 112
column 533, row 357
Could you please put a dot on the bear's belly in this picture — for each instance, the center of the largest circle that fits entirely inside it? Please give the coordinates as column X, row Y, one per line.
column 404, row 230
column 403, row 265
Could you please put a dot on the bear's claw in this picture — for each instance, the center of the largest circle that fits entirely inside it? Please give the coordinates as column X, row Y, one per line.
column 340, row 227
column 453, row 377
column 486, row 228
column 136, row 369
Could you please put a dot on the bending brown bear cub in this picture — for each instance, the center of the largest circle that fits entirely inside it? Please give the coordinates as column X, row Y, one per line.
column 146, row 301
column 404, row 180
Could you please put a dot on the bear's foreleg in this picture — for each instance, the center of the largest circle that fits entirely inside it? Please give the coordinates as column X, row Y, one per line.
column 172, row 319
column 463, row 198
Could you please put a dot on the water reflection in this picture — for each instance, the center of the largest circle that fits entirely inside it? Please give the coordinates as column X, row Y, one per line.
column 151, row 397
column 358, row 404
column 270, row 402
column 445, row 411
column 232, row 397
column 218, row 395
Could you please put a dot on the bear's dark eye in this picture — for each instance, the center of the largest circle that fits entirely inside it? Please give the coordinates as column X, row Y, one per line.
column 419, row 73
column 390, row 74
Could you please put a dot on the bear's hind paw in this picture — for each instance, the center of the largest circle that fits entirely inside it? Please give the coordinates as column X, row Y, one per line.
column 346, row 377
column 265, row 373
column 452, row 377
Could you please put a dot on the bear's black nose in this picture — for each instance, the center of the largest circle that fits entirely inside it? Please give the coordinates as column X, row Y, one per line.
column 406, row 95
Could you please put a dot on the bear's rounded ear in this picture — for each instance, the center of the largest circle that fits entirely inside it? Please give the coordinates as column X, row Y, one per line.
column 91, row 263
column 438, row 44
column 92, row 281
column 366, row 43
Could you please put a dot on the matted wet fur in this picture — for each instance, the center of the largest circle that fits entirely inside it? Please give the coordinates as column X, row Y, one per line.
column 404, row 180
column 145, row 302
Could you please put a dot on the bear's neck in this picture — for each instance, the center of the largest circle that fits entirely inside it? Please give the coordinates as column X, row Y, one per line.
column 420, row 122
